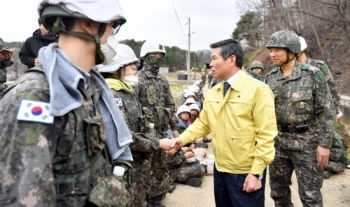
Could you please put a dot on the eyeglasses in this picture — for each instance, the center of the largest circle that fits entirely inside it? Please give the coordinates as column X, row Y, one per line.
column 116, row 26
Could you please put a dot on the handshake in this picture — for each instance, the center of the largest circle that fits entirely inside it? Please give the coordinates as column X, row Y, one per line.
column 170, row 146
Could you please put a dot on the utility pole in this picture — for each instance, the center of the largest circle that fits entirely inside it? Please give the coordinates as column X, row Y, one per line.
column 189, row 52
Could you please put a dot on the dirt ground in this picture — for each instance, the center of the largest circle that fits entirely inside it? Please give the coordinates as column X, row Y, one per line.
column 335, row 191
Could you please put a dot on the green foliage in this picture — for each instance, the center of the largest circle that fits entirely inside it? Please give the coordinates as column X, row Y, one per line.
column 248, row 27
column 14, row 44
column 250, row 56
column 175, row 57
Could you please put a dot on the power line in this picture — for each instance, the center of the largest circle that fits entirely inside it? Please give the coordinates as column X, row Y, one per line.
column 184, row 7
column 178, row 20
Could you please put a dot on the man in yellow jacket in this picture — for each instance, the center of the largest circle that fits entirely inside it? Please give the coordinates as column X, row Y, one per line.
column 240, row 115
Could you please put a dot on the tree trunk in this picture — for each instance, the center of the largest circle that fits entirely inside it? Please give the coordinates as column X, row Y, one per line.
column 315, row 33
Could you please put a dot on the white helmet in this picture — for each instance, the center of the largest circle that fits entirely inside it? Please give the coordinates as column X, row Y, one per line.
column 102, row 11
column 197, row 82
column 150, row 47
column 125, row 55
column 303, row 44
column 189, row 93
column 183, row 108
column 190, row 101
column 194, row 88
column 195, row 107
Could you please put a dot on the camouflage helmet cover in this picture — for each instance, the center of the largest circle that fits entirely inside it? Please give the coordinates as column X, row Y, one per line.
column 257, row 64
column 284, row 39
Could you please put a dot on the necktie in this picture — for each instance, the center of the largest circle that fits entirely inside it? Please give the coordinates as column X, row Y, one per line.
column 226, row 87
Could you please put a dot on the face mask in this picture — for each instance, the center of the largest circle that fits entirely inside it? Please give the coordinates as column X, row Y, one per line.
column 154, row 61
column 109, row 49
column 131, row 80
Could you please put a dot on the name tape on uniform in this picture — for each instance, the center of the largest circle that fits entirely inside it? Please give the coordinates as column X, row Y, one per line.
column 35, row 111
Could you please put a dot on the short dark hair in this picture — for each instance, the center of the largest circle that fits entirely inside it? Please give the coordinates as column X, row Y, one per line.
column 39, row 21
column 230, row 47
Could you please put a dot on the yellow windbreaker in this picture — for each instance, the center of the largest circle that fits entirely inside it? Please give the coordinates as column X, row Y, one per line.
column 242, row 124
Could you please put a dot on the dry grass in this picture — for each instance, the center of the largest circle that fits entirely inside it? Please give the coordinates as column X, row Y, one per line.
column 177, row 87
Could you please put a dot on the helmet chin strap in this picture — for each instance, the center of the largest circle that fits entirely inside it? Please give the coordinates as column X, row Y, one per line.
column 99, row 57
column 288, row 60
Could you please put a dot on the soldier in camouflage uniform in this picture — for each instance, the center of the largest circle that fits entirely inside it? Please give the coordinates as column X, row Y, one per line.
column 181, row 170
column 210, row 78
column 204, row 79
column 185, row 171
column 53, row 137
column 254, row 75
column 5, row 61
column 257, row 66
column 303, row 106
column 255, row 70
column 154, row 94
column 121, row 76
column 214, row 82
column 338, row 158
column 302, row 58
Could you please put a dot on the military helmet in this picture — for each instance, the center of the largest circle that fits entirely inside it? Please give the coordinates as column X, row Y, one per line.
column 125, row 55
column 182, row 109
column 303, row 44
column 103, row 11
column 257, row 64
column 151, row 47
column 284, row 39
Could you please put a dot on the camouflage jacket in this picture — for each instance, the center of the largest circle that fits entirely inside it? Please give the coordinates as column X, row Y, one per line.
column 210, row 77
column 302, row 97
column 58, row 164
column 131, row 110
column 3, row 65
column 338, row 151
column 177, row 160
column 330, row 81
column 255, row 75
column 204, row 78
column 154, row 94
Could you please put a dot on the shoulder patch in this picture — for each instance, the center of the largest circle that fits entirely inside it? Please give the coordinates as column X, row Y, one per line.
column 319, row 62
column 319, row 78
column 274, row 70
column 35, row 111
column 119, row 101
column 305, row 66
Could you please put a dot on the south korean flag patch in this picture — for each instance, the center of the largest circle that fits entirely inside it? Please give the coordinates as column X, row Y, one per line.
column 119, row 102
column 35, row 111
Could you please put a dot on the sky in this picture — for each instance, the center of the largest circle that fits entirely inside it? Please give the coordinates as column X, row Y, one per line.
column 153, row 20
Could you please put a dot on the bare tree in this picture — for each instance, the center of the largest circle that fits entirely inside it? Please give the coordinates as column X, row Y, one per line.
column 341, row 7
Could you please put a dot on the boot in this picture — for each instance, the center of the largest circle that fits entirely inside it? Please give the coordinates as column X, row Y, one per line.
column 194, row 182
column 327, row 174
column 155, row 202
column 172, row 188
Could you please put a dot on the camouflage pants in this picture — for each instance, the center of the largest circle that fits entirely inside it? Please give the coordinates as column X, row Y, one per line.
column 160, row 176
column 334, row 167
column 138, row 192
column 309, row 177
column 190, row 170
column 2, row 89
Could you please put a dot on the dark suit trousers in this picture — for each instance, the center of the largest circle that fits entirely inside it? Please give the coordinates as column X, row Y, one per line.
column 228, row 191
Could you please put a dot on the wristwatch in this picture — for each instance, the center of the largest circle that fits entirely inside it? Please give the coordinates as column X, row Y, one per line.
column 259, row 176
